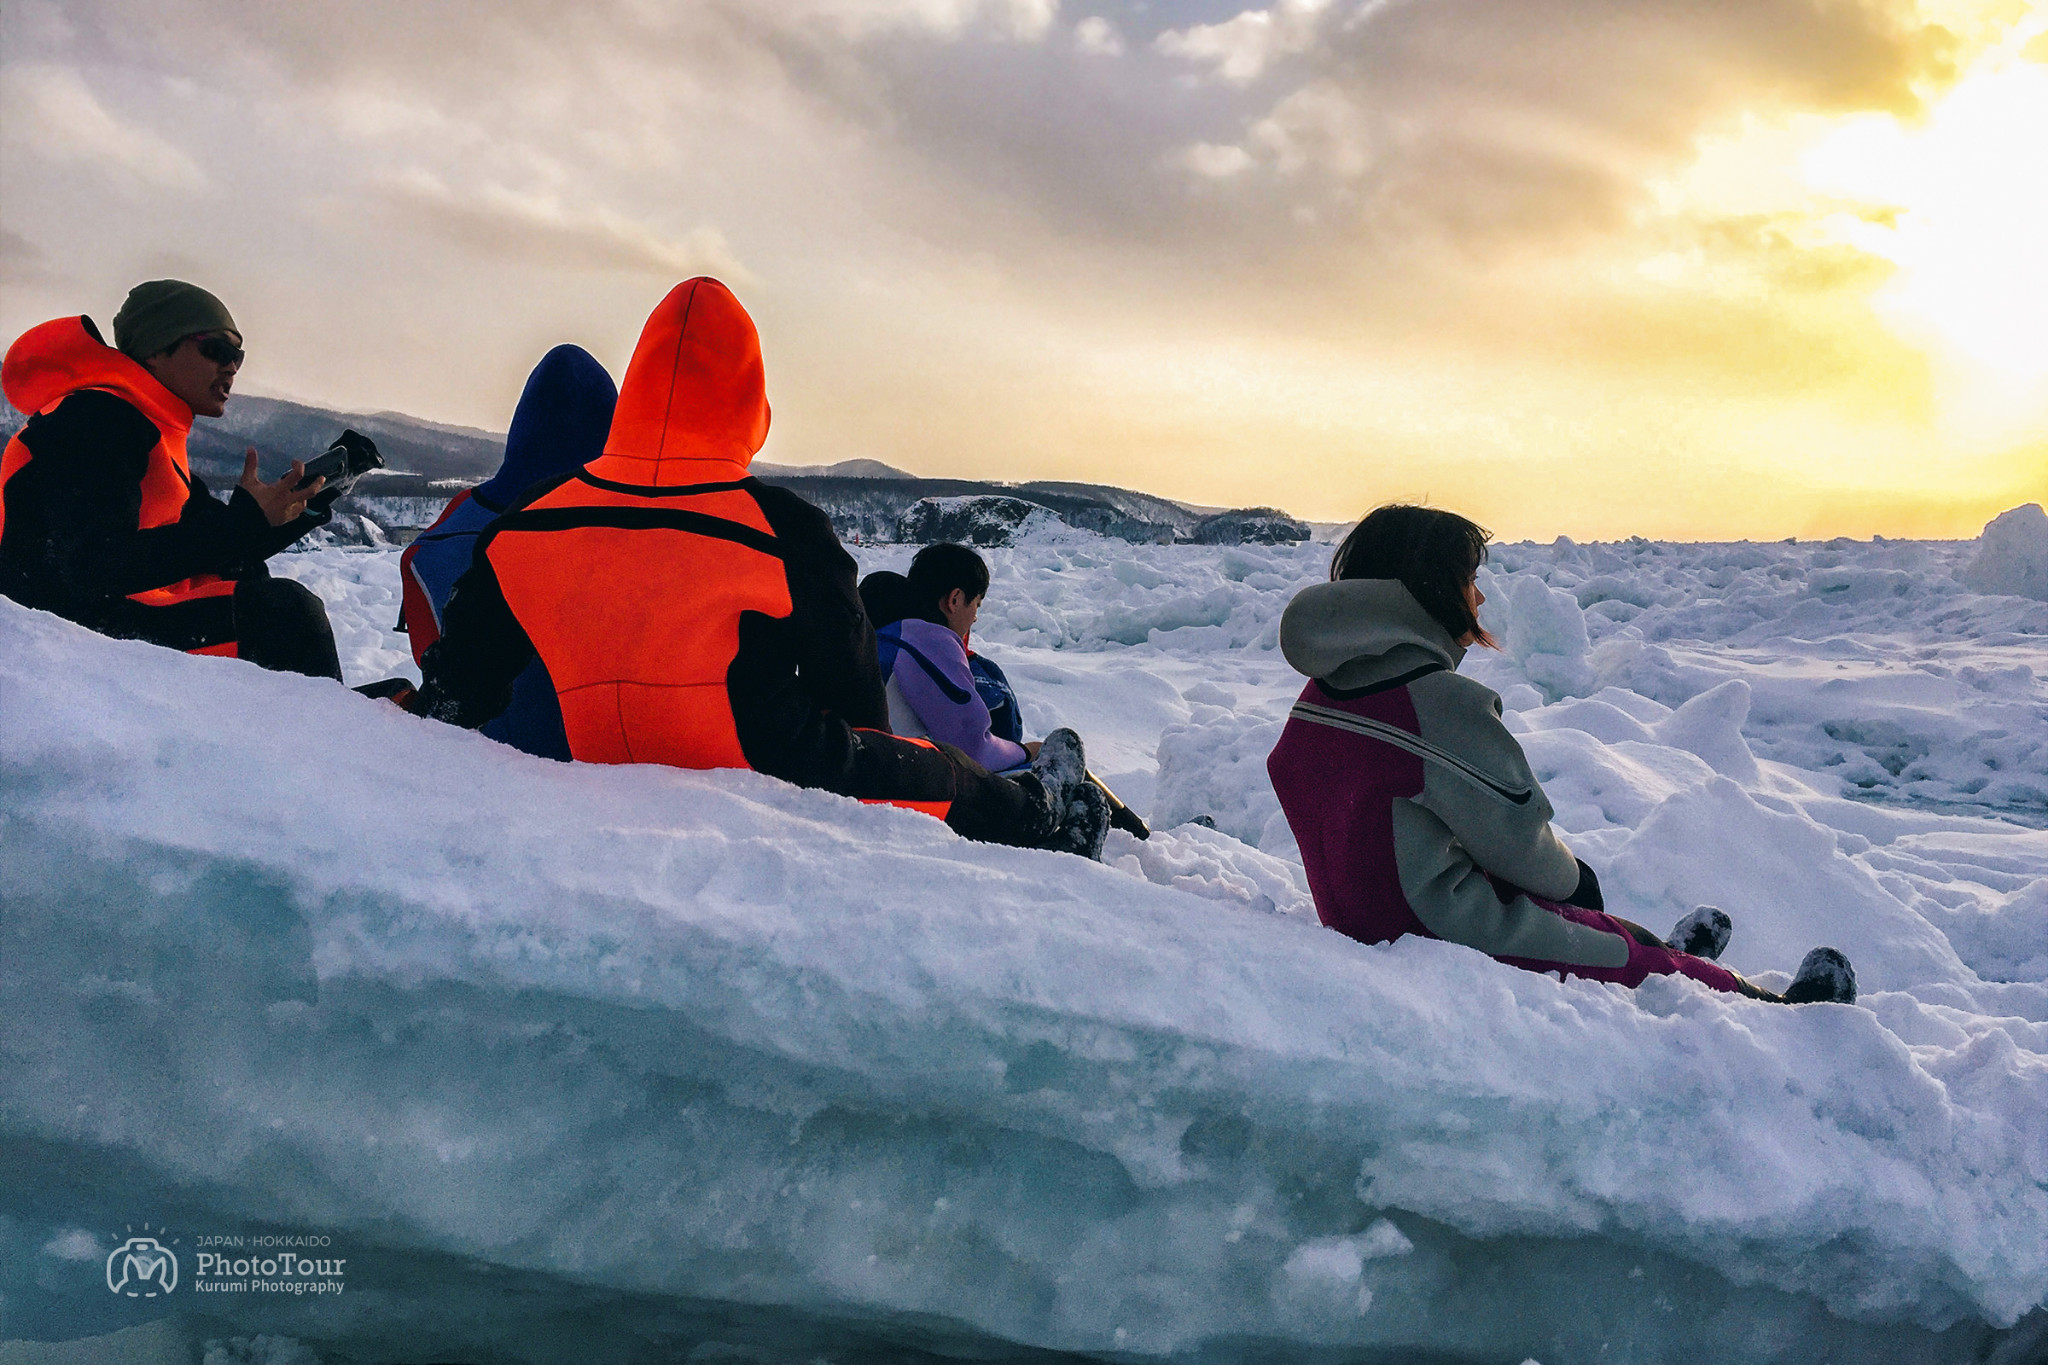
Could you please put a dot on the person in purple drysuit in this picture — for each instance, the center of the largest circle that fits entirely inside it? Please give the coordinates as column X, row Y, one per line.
column 560, row 425
column 1415, row 807
column 923, row 622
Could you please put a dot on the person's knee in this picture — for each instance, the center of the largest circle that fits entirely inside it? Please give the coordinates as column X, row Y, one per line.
column 1000, row 810
column 282, row 625
column 284, row 596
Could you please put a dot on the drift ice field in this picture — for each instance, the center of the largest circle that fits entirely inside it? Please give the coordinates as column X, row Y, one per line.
column 631, row 1064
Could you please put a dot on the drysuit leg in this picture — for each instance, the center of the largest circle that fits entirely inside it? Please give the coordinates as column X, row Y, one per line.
column 1638, row 932
column 1587, row 896
column 282, row 626
column 945, row 782
column 993, row 809
column 1647, row 956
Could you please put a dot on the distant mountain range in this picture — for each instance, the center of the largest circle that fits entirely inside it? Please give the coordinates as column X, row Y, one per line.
column 428, row 462
column 845, row 469
column 422, row 456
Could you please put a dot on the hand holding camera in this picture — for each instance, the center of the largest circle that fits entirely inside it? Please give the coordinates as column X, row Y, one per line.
column 317, row 484
column 328, row 477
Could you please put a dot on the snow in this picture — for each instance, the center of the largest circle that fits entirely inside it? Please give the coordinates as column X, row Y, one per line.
column 2012, row 555
column 577, row 1057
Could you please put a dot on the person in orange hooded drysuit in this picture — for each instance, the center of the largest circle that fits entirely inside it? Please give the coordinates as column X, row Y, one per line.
column 103, row 522
column 688, row 614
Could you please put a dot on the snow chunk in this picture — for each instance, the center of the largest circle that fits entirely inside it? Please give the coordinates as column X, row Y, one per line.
column 1543, row 630
column 1214, row 765
column 2012, row 555
column 1211, row 864
column 1710, row 725
column 74, row 1244
column 1343, row 1258
column 2006, row 940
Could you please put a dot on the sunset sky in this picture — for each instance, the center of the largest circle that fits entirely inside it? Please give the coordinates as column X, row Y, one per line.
column 1684, row 268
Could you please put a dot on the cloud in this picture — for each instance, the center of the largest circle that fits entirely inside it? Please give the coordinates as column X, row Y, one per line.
column 1030, row 20
column 1025, row 20
column 1240, row 49
column 1321, row 125
column 541, row 228
column 1214, row 162
column 53, row 113
column 22, row 261
column 1005, row 199
column 39, row 22
column 1489, row 120
column 1356, row 123
column 74, row 1244
column 1098, row 37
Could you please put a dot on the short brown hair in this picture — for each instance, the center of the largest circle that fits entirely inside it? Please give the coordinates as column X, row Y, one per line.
column 1433, row 553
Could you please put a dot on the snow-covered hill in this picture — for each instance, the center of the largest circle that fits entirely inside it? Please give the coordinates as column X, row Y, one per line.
column 429, row 462
column 627, row 1063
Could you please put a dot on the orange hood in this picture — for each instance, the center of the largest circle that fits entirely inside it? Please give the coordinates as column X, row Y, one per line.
column 694, row 405
column 57, row 358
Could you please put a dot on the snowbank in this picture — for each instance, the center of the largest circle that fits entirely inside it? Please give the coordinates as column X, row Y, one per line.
column 1869, row 666
column 2012, row 555
column 537, row 1037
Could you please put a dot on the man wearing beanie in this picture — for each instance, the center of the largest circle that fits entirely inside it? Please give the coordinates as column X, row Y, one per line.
column 103, row 522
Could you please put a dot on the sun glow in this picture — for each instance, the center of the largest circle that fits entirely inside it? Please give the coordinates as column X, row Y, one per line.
column 1962, row 203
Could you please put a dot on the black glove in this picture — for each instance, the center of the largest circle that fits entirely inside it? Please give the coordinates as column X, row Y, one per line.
column 350, row 457
column 1586, row 895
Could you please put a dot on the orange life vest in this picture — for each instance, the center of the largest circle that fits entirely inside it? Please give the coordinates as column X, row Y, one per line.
column 50, row 362
column 640, row 677
column 631, row 576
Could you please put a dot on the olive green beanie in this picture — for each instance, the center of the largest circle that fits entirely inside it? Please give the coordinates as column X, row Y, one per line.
column 161, row 313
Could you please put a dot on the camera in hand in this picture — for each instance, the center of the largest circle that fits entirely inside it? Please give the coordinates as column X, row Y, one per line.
column 350, row 457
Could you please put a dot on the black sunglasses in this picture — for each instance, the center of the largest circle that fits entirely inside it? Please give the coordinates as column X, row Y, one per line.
column 220, row 350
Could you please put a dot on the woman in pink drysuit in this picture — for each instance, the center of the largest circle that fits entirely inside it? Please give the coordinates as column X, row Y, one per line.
column 1415, row 807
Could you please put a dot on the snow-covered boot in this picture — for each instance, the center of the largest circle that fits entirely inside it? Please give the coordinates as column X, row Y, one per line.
column 1083, row 823
column 1824, row 977
column 1703, row 933
column 1061, row 766
column 1044, row 819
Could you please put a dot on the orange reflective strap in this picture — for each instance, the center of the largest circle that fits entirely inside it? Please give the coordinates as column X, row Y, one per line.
column 936, row 809
column 166, row 482
column 11, row 461
column 185, row 590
